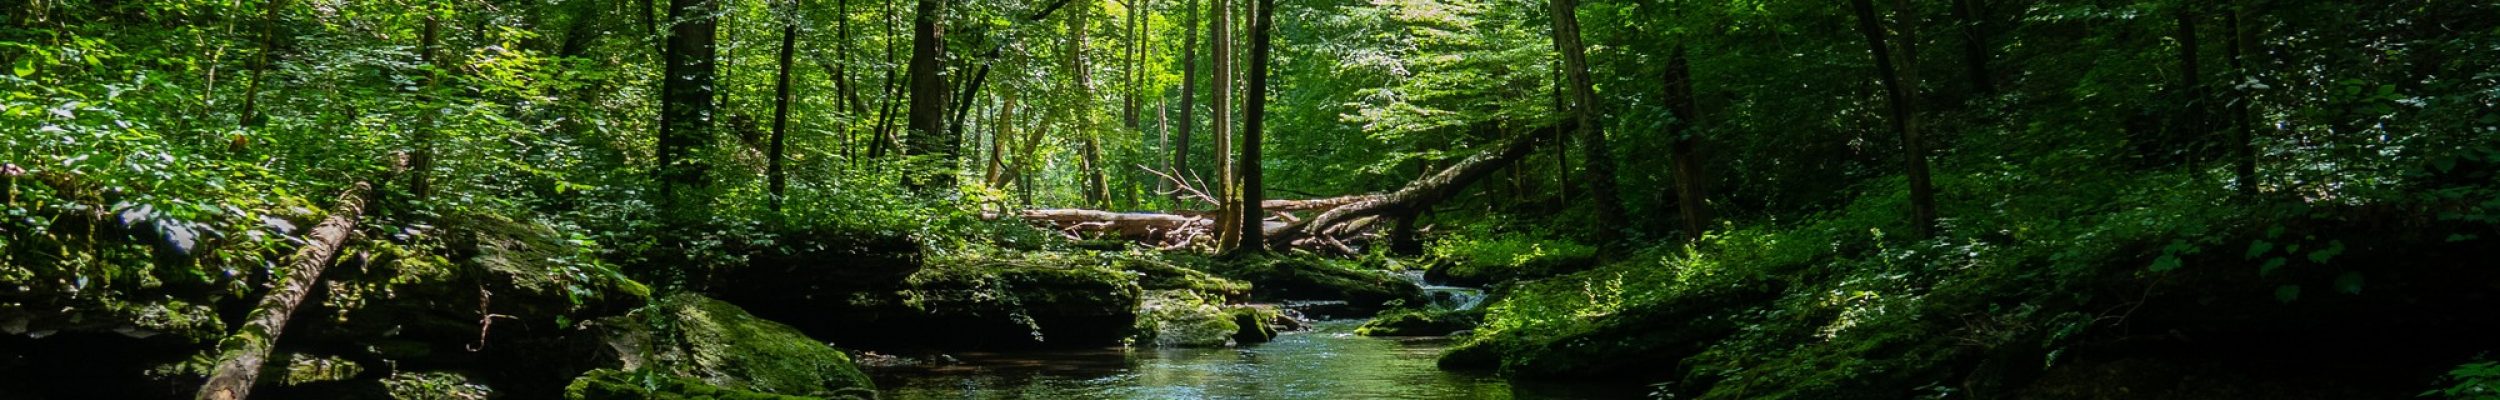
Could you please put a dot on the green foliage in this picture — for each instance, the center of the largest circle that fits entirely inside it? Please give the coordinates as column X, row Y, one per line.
column 2478, row 380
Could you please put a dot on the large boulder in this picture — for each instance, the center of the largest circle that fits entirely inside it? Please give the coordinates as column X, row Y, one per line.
column 699, row 338
column 1288, row 278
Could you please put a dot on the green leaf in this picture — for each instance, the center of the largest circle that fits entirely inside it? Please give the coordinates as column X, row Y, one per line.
column 2274, row 232
column 2333, row 248
column 2349, row 282
column 2257, row 248
column 25, row 67
column 2460, row 237
column 2270, row 265
column 2166, row 263
column 2287, row 293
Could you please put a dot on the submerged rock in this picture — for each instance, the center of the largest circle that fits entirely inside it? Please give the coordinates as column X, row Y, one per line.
column 695, row 337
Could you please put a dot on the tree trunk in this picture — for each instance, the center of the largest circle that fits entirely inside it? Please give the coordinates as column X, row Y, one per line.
column 1691, row 187
column 1900, row 91
column 777, row 181
column 1975, row 44
column 239, row 363
column 2243, row 146
column 686, row 102
column 1599, row 162
column 1221, row 37
column 1097, row 189
column 1261, row 28
column 2191, row 83
column 928, row 133
column 1189, row 90
column 420, row 182
column 842, row 61
column 260, row 66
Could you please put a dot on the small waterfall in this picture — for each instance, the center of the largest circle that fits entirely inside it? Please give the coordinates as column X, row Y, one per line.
column 1446, row 297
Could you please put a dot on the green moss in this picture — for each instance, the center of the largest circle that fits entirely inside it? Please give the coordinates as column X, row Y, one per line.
column 609, row 384
column 1257, row 324
column 1418, row 322
column 689, row 335
column 1303, row 277
column 1180, row 318
column 1476, row 262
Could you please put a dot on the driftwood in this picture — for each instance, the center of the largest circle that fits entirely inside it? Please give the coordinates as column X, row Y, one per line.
column 242, row 353
column 1339, row 221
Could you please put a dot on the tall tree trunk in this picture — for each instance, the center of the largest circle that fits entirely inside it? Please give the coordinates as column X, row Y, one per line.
column 1253, row 126
column 1005, row 119
column 1599, row 162
column 781, row 107
column 686, row 102
column 842, row 61
column 2243, row 146
column 260, row 65
column 928, row 130
column 420, row 182
column 1975, row 44
column 1900, row 91
column 2191, row 83
column 1221, row 37
column 1691, row 186
column 1129, row 61
column 1189, row 91
column 1097, row 191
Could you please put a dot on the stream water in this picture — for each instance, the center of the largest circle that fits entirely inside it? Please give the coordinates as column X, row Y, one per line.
column 1325, row 362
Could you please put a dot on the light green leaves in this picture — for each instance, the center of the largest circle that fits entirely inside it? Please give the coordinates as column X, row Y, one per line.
column 25, row 67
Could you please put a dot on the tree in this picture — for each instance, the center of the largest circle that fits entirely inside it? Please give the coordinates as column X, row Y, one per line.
column 2243, row 148
column 1261, row 28
column 1220, row 32
column 1599, row 162
column 1900, row 92
column 686, row 102
column 781, row 107
column 928, row 133
column 1189, row 90
column 2191, row 80
column 1691, row 187
column 1975, row 44
column 420, row 181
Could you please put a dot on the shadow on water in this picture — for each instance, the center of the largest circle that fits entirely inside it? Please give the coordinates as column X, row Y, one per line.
column 1327, row 362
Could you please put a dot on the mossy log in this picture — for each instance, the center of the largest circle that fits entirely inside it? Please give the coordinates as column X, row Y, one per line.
column 242, row 353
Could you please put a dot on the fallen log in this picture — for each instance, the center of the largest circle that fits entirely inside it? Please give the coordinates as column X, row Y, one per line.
column 1341, row 219
column 242, row 353
column 1420, row 193
column 1317, row 204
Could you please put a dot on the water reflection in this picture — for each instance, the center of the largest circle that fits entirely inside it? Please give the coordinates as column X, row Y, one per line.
column 1327, row 362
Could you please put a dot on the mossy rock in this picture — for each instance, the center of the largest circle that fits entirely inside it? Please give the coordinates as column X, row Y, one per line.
column 1417, row 322
column 1280, row 278
column 609, row 384
column 1257, row 324
column 1180, row 318
column 696, row 337
column 1011, row 302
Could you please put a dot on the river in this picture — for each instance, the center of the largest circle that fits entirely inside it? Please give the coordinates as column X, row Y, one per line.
column 1325, row 362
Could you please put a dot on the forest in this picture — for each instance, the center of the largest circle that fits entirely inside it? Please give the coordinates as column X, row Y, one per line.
column 1249, row 199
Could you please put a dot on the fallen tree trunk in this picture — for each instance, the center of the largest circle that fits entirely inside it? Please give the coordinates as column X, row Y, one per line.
column 1341, row 219
column 244, row 351
column 1316, row 204
column 1418, row 194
